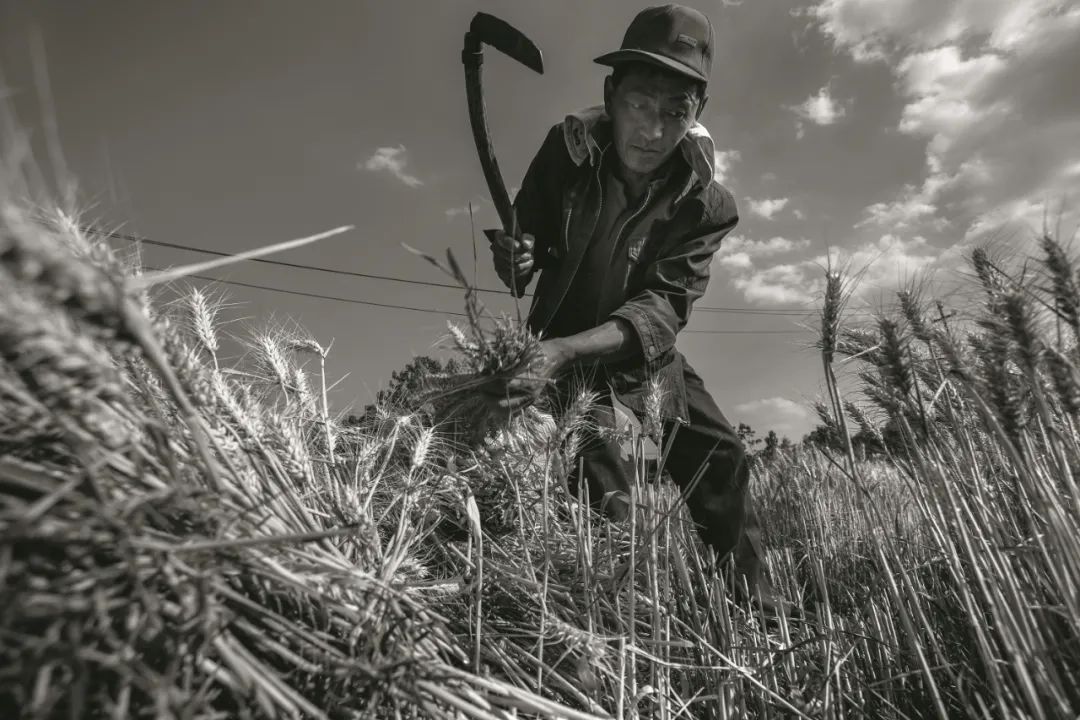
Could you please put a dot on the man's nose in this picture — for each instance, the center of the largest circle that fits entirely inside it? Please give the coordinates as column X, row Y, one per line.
column 652, row 128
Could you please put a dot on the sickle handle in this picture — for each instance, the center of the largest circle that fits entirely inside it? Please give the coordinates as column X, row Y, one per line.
column 472, row 57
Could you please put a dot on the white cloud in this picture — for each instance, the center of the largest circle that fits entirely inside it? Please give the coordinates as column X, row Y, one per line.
column 913, row 205
column 760, row 248
column 785, row 284
column 393, row 161
column 866, row 28
column 820, row 109
column 738, row 260
column 774, row 404
column 767, row 207
column 1026, row 214
column 877, row 29
column 722, row 162
column 948, row 94
column 885, row 264
column 738, row 253
column 983, row 83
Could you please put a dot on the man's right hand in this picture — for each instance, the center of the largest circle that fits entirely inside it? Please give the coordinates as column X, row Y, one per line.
column 513, row 257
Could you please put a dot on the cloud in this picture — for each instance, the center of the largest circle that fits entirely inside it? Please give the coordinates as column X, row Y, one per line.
column 722, row 162
column 784, row 416
column 738, row 253
column 982, row 84
column 392, row 160
column 914, row 204
column 785, row 284
column 884, row 264
column 774, row 404
column 767, row 207
column 760, row 248
column 820, row 109
column 949, row 94
column 867, row 28
column 872, row 30
column 1026, row 213
column 738, row 260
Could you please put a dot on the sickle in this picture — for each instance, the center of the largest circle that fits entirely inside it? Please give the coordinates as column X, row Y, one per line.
column 489, row 30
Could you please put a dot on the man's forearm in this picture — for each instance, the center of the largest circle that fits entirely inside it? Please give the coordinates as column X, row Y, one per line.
column 613, row 341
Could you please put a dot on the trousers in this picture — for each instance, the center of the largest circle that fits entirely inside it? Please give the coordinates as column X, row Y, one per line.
column 706, row 456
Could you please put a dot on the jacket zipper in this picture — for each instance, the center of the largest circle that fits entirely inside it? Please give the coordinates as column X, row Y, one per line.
column 570, row 214
column 573, row 199
column 618, row 237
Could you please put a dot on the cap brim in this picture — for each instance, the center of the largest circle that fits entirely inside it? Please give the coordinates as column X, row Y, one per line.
column 612, row 59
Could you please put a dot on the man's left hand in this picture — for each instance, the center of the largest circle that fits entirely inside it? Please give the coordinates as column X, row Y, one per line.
column 524, row 388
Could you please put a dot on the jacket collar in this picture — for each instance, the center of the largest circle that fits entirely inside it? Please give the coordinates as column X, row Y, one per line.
column 586, row 132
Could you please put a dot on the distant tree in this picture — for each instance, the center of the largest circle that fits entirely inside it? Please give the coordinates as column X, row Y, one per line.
column 825, row 437
column 747, row 435
column 772, row 446
column 762, row 450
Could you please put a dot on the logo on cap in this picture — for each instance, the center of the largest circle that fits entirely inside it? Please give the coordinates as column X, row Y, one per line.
column 686, row 40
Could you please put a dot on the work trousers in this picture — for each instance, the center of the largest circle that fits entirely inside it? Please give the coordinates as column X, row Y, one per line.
column 719, row 500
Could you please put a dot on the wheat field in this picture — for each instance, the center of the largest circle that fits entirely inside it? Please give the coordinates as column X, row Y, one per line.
column 183, row 536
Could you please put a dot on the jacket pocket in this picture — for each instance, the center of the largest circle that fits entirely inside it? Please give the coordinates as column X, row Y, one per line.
column 634, row 247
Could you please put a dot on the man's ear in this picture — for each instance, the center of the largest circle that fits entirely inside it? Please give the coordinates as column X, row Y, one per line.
column 701, row 106
column 609, row 94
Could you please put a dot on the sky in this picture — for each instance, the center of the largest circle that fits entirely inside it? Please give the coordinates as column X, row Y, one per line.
column 890, row 135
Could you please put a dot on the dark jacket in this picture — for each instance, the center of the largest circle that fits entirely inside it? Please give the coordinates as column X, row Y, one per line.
column 671, row 243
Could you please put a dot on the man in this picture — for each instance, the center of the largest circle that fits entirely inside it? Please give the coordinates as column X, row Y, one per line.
column 620, row 214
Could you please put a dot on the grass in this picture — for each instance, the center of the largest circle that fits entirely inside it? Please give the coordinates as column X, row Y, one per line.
column 184, row 535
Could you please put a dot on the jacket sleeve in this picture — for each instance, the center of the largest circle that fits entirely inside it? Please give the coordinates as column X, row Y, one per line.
column 677, row 278
column 538, row 200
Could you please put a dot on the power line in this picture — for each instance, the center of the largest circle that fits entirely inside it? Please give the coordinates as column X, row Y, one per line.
column 320, row 296
column 778, row 312
column 745, row 332
column 436, row 311
column 281, row 263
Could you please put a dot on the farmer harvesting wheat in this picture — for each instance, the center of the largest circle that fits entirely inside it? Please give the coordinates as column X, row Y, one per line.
column 620, row 214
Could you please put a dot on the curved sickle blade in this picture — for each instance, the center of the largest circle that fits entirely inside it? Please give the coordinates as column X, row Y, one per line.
column 507, row 39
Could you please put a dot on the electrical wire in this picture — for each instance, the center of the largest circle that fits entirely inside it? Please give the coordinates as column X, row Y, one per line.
column 436, row 311
column 778, row 312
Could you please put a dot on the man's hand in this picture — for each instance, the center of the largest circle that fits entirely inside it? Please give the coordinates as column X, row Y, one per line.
column 524, row 388
column 513, row 257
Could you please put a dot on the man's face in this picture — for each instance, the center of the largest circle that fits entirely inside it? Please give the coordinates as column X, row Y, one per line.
column 651, row 113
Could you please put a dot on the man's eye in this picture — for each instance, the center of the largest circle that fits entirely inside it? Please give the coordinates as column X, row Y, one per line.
column 678, row 114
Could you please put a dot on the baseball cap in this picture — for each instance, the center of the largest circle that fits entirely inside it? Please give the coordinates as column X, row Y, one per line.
column 675, row 37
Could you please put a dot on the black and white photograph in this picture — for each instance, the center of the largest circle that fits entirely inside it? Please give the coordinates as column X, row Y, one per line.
column 574, row 359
